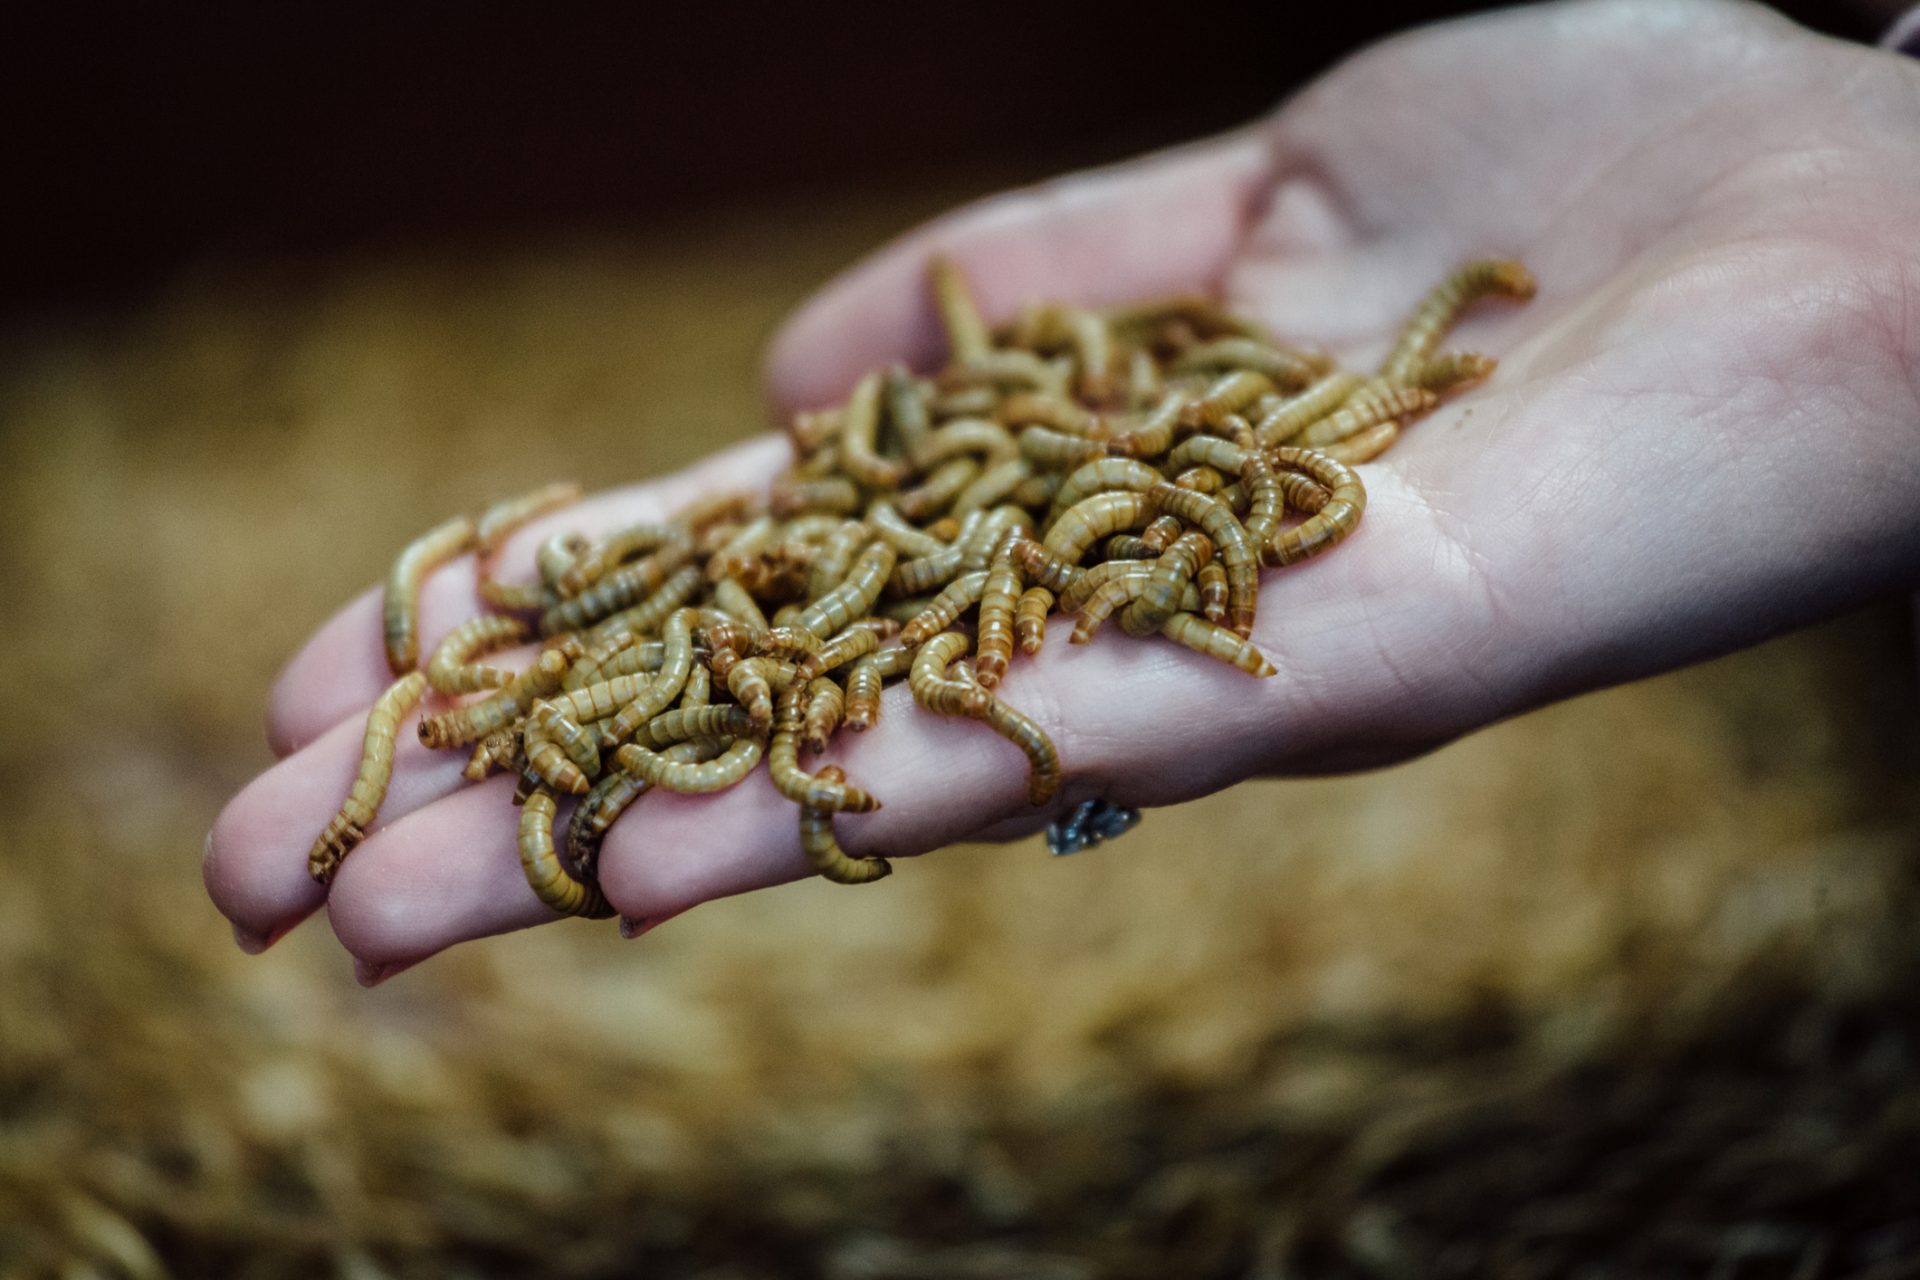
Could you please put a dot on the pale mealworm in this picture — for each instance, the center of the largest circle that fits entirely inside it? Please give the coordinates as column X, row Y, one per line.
column 824, row 852
column 401, row 605
column 451, row 670
column 349, row 826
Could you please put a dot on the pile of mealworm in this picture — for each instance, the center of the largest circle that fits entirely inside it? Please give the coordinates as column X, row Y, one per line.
column 1141, row 464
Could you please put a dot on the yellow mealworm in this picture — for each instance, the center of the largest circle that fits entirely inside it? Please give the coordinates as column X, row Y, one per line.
column 515, row 595
column 1057, row 413
column 1036, row 491
column 1167, row 584
column 1030, row 618
column 1441, row 308
column 1368, row 406
column 451, row 669
column 860, row 436
column 792, row 495
column 1045, row 569
column 967, row 336
column 650, row 614
column 1302, row 493
column 826, row 704
column 1282, row 368
column 637, row 705
column 753, row 682
column 733, row 599
column 1452, row 371
column 594, row 655
column 1104, row 475
column 1113, row 592
column 934, row 689
column 601, row 807
column 1207, row 451
column 993, row 485
column 1155, row 435
column 591, row 564
column 937, row 492
column 743, row 549
column 1160, row 532
column 893, row 527
column 1227, row 394
column 1364, row 447
column 824, row 852
column 551, row 882
column 998, row 596
column 1007, row 371
column 908, row 413
column 1346, row 501
column 864, row 683
column 1043, row 758
column 854, row 597
column 1212, row 583
column 503, row 518
column 857, row 641
column 349, row 826
column 642, row 658
column 793, row 782
column 1230, row 543
column 733, row 764
column 687, row 724
column 564, row 754
column 1215, row 641
column 977, row 545
column 617, row 589
column 967, row 402
column 1201, row 480
column 1091, row 519
column 555, row 556
column 988, row 442
column 1144, row 384
column 464, row 725
column 1266, row 499
column 1297, row 413
column 401, row 606
column 830, row 564
column 789, row 643
column 495, row 751
column 1056, row 450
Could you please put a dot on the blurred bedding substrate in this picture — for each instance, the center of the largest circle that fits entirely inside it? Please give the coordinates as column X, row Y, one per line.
column 1625, row 987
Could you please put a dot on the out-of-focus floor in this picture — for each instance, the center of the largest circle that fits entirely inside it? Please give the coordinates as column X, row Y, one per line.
column 1622, row 987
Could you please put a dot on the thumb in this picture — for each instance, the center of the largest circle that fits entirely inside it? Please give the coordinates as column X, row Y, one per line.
column 1165, row 223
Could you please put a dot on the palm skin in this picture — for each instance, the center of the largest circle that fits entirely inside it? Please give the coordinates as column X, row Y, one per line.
column 1704, row 431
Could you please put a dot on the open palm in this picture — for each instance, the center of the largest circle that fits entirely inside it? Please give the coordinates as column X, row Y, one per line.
column 1705, row 430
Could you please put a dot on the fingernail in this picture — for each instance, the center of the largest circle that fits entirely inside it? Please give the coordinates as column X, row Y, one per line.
column 250, row 942
column 370, row 975
column 632, row 927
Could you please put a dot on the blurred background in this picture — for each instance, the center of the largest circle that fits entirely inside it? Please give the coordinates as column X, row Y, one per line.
column 1625, row 987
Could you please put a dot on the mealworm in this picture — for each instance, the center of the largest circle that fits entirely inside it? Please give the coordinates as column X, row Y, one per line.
column 637, row 705
column 733, row 764
column 993, row 485
column 909, row 541
column 987, row 441
column 1207, row 451
column 1282, row 368
column 810, row 429
column 349, row 826
column 495, row 751
column 591, row 564
column 1144, row 384
column 793, row 782
column 1030, row 618
column 1230, row 543
column 686, row 724
column 1046, row 569
column 1205, row 637
column 824, row 852
column 1212, row 583
column 860, row 435
column 1167, row 584
column 503, row 518
column 1227, row 394
column 967, row 337
column 1160, row 533
column 1155, row 435
column 1114, row 591
column 754, row 681
column 644, row 657
column 1364, row 447
column 864, row 684
column 1007, row 371
column 555, row 556
column 1452, row 371
column 1368, row 406
column 1266, row 499
column 1091, row 519
column 401, row 606
column 738, row 555
column 1201, row 480
column 966, row 402
column 788, row 643
column 698, row 690
column 934, row 689
column 565, row 753
column 853, row 598
column 826, row 705
column 451, row 669
column 1056, row 450
column 527, row 596
column 1127, row 546
column 1297, row 413
column 468, row 724
column 1301, row 492
column 650, row 614
column 853, row 643
column 1043, row 758
column 1346, row 501
column 1441, row 309
column 790, row 496
column 617, row 589
column 999, row 593
column 737, row 602
column 1057, row 413
column 937, row 492
column 1199, row 312
column 909, row 415
column 836, row 554
column 1104, row 475
column 552, row 883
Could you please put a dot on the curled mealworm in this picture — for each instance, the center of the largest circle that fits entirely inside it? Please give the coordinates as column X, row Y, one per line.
column 1160, row 533
column 1056, row 450
column 650, row 614
column 855, row 642
column 853, row 598
column 733, row 764
column 1114, row 591
column 1347, row 499
column 1230, row 543
column 993, row 485
column 1301, row 492
column 937, row 492
column 1229, row 393
column 1368, row 406
column 451, row 669
column 1167, row 584
column 1205, row 637
column 1441, row 308
column 601, row 807
column 824, row 852
column 937, row 691
column 1104, row 475
column 564, row 753
column 401, row 606
column 468, row 724
column 1281, row 367
column 829, row 567
column 1296, row 414
column 592, row 563
column 1045, row 569
column 1365, row 446
column 1091, row 519
column 1201, row 480
column 1043, row 758
column 642, row 704
column 1030, row 618
column 859, row 438
column 349, row 826
column 551, row 882
column 1156, row 434
column 864, row 682
column 909, row 541
column 555, row 556
column 982, row 439
column 793, row 782
column 753, row 682
column 1452, row 371
column 789, row 643
column 617, row 589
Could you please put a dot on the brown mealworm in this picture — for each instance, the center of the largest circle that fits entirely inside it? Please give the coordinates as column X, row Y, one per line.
column 551, row 882
column 847, row 646
column 1212, row 583
column 999, row 593
column 1346, row 501
column 1056, row 450
column 793, row 782
column 826, row 704
column 1104, row 475
column 1282, row 368
column 617, row 589
column 451, row 670
column 865, row 680
column 1091, row 519
column 1155, row 435
column 1230, row 543
column 592, row 564
column 349, row 826
column 1297, row 413
column 733, row 764
column 1216, row 641
column 937, row 492
column 1441, row 308
column 645, row 702
column 1167, row 584
column 1368, row 406
column 824, row 852
column 853, row 598
column 468, row 724
column 1030, row 618
column 401, row 605
column 934, row 689
column 1452, row 371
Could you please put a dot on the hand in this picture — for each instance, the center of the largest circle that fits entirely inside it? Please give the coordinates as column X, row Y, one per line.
column 1704, row 431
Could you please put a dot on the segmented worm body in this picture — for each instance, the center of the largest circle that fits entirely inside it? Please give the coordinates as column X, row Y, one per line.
column 1441, row 308
column 823, row 850
column 452, row 671
column 401, row 606
column 552, row 883
column 349, row 826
